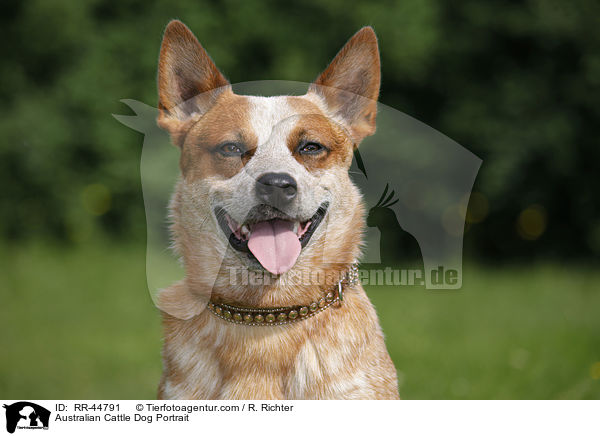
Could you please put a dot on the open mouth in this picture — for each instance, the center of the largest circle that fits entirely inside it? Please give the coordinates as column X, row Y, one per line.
column 269, row 236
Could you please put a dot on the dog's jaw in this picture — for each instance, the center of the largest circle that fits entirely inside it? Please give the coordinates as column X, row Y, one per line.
column 266, row 226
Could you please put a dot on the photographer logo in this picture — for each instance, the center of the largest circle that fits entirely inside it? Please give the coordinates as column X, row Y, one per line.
column 26, row 415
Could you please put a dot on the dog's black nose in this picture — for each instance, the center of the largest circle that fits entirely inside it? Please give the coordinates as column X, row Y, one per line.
column 276, row 189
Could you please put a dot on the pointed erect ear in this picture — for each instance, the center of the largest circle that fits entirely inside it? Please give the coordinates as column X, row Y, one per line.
column 350, row 84
column 188, row 80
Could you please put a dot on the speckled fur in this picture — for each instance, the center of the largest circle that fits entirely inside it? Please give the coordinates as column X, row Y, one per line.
column 337, row 354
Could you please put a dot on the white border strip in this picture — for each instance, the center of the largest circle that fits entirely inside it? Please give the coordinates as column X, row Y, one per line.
column 301, row 417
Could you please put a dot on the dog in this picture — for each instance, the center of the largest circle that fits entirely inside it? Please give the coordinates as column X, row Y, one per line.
column 264, row 190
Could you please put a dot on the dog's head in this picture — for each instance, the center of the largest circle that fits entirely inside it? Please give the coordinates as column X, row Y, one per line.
column 265, row 180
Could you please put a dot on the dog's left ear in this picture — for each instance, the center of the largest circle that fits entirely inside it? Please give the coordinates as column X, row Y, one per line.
column 188, row 80
column 350, row 84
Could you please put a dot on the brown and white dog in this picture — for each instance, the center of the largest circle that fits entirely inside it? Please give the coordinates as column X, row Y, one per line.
column 264, row 187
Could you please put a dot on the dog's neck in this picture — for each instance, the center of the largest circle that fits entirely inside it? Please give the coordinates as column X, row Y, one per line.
column 265, row 316
column 259, row 289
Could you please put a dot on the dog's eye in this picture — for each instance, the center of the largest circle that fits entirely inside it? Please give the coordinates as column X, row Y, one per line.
column 231, row 149
column 310, row 148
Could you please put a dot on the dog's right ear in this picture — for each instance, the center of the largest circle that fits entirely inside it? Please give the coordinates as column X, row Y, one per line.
column 188, row 80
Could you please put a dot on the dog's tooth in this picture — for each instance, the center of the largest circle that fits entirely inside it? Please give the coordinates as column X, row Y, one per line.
column 245, row 230
column 232, row 223
column 296, row 227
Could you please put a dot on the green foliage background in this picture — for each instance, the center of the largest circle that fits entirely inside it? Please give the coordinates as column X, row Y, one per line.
column 515, row 82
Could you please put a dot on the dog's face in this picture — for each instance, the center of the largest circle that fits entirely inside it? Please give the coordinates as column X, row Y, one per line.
column 265, row 180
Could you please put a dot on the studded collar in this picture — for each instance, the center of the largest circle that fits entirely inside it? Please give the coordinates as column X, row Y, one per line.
column 260, row 316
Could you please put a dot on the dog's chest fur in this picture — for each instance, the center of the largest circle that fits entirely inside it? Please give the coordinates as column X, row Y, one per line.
column 338, row 354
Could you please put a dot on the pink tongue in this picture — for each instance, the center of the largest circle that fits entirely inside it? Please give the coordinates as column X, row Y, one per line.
column 275, row 245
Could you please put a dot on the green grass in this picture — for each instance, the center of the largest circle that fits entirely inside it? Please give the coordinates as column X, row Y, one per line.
column 79, row 323
column 530, row 332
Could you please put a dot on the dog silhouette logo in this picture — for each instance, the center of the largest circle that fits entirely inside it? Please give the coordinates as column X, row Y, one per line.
column 26, row 415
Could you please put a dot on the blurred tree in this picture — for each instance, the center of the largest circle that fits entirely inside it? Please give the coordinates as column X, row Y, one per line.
column 515, row 82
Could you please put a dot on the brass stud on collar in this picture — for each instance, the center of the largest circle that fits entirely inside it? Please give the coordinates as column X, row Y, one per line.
column 284, row 315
